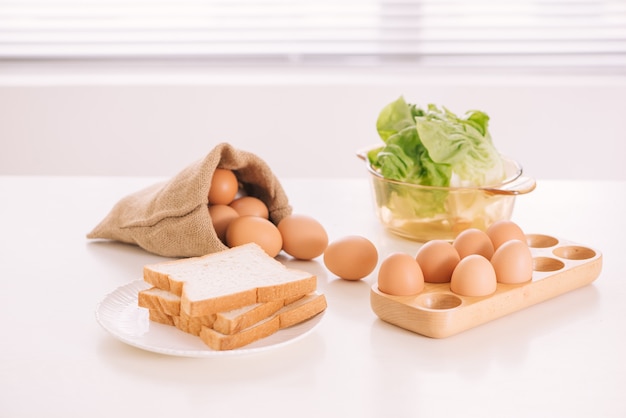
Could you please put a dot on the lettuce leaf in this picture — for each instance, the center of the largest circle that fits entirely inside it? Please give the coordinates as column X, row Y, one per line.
column 433, row 147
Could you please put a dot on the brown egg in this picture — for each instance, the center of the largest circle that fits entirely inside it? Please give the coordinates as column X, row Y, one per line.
column 304, row 238
column 473, row 241
column 437, row 259
column 400, row 275
column 352, row 257
column 502, row 231
column 246, row 229
column 250, row 205
column 221, row 216
column 473, row 276
column 224, row 187
column 513, row 262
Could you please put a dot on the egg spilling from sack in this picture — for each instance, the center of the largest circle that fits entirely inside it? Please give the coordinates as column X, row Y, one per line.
column 221, row 217
column 224, row 187
column 250, row 206
column 304, row 238
column 247, row 229
column 238, row 218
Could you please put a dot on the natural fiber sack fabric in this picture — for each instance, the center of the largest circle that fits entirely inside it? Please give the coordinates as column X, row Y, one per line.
column 172, row 218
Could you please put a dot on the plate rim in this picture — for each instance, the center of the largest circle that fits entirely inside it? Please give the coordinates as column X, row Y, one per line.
column 134, row 286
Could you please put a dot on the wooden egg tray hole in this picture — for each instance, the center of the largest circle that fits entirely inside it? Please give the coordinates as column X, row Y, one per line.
column 559, row 266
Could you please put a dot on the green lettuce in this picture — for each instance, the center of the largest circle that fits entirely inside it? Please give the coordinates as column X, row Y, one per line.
column 433, row 147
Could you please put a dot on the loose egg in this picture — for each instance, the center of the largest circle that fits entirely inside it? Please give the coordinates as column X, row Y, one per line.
column 250, row 205
column 513, row 262
column 473, row 276
column 473, row 241
column 221, row 217
column 352, row 257
column 437, row 259
column 304, row 238
column 400, row 275
column 224, row 187
column 246, row 229
column 502, row 231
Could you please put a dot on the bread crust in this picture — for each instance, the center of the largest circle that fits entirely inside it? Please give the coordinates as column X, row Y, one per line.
column 231, row 322
column 231, row 298
column 245, row 329
column 160, row 300
column 162, row 318
column 192, row 325
column 231, row 279
column 220, row 342
column 163, row 303
column 292, row 314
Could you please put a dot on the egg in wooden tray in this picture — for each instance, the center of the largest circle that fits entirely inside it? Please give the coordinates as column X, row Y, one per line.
column 518, row 275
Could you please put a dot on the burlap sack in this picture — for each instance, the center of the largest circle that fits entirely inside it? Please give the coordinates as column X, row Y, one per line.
column 172, row 218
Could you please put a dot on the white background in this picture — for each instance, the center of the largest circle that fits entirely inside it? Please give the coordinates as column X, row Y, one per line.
column 305, row 122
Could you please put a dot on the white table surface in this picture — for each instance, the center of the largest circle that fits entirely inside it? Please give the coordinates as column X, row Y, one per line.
column 561, row 358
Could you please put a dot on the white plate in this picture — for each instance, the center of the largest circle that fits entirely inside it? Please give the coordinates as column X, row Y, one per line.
column 119, row 314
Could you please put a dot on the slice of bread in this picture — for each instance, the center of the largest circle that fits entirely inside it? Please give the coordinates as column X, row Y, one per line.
column 219, row 342
column 182, row 322
column 231, row 322
column 289, row 315
column 160, row 301
column 192, row 325
column 301, row 310
column 160, row 317
column 229, row 279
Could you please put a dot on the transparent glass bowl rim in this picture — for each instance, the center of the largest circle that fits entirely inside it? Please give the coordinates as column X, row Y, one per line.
column 512, row 166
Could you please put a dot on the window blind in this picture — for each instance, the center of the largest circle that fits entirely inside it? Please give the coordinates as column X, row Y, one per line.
column 570, row 33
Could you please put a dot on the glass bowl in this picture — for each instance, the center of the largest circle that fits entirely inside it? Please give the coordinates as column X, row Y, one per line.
column 424, row 213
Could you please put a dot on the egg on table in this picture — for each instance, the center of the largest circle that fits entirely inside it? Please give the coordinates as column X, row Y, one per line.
column 352, row 257
column 304, row 237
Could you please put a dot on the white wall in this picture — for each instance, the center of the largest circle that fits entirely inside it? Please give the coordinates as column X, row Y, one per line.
column 303, row 123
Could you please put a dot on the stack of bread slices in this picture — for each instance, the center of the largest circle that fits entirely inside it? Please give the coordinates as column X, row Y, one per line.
column 230, row 298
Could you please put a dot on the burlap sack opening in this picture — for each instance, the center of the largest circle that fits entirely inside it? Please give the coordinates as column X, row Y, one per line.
column 172, row 218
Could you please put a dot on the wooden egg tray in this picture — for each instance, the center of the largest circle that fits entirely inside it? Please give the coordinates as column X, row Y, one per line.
column 559, row 266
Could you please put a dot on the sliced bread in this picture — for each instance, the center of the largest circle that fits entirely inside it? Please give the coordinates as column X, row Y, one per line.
column 192, row 325
column 229, row 279
column 160, row 317
column 289, row 315
column 182, row 322
column 233, row 321
column 159, row 300
column 164, row 302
